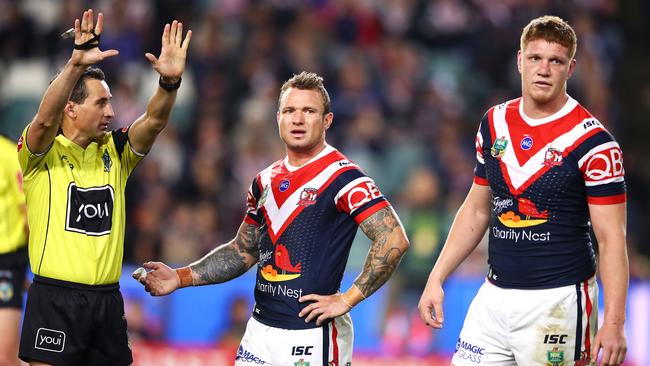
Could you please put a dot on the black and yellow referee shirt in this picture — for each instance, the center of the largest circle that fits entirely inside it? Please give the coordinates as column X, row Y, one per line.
column 12, row 221
column 76, row 207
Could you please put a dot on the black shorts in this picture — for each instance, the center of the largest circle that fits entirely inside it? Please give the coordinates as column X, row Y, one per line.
column 13, row 269
column 74, row 324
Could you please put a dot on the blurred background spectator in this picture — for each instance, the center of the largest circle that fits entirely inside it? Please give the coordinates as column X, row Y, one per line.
column 409, row 82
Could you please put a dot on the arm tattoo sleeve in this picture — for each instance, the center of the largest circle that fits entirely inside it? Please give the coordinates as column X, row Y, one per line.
column 229, row 260
column 385, row 253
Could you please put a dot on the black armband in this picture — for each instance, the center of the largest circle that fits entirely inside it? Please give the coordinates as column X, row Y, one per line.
column 169, row 87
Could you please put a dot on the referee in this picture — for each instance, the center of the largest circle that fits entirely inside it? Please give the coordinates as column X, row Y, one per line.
column 75, row 171
column 13, row 251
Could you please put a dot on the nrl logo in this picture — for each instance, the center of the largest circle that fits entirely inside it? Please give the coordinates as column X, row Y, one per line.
column 107, row 161
column 499, row 147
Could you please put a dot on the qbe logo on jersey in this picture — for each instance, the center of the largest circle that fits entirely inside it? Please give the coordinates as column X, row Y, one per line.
column 50, row 340
column 604, row 164
column 90, row 210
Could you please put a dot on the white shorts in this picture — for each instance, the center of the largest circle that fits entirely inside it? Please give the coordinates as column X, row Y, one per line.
column 329, row 345
column 550, row 327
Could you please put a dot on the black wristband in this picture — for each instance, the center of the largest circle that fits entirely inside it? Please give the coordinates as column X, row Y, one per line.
column 89, row 44
column 169, row 87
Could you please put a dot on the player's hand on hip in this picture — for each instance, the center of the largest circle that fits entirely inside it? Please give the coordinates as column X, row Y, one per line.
column 323, row 307
column 87, row 33
column 611, row 338
column 173, row 52
column 430, row 306
column 158, row 278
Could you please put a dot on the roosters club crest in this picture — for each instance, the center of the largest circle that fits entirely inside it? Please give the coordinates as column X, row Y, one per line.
column 552, row 157
column 308, row 197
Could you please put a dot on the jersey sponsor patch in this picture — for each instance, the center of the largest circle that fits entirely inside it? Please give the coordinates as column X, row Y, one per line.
column 357, row 193
column 284, row 185
column 284, row 269
column 90, row 210
column 526, row 143
column 603, row 164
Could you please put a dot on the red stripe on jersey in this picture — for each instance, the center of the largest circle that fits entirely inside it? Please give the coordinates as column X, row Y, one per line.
column 481, row 181
column 371, row 210
column 607, row 200
column 335, row 345
column 275, row 236
column 299, row 177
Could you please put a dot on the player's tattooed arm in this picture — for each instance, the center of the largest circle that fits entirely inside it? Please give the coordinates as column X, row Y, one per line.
column 389, row 243
column 229, row 260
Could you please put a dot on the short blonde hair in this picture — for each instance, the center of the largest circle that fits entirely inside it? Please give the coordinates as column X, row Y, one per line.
column 551, row 29
column 307, row 81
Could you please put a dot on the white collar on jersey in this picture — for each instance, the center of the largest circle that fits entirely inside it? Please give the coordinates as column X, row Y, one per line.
column 568, row 107
column 328, row 149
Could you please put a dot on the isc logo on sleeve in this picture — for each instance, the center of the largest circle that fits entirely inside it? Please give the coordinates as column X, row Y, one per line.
column 90, row 210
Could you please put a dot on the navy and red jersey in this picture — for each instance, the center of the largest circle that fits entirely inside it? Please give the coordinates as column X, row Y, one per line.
column 308, row 217
column 543, row 173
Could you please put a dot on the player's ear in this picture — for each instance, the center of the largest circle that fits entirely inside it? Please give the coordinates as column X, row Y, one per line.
column 329, row 118
column 69, row 109
column 572, row 67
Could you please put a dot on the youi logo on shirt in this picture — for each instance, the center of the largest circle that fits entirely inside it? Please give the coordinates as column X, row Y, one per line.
column 90, row 210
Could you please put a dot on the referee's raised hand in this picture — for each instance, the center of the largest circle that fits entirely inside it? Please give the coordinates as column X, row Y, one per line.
column 173, row 52
column 86, row 40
